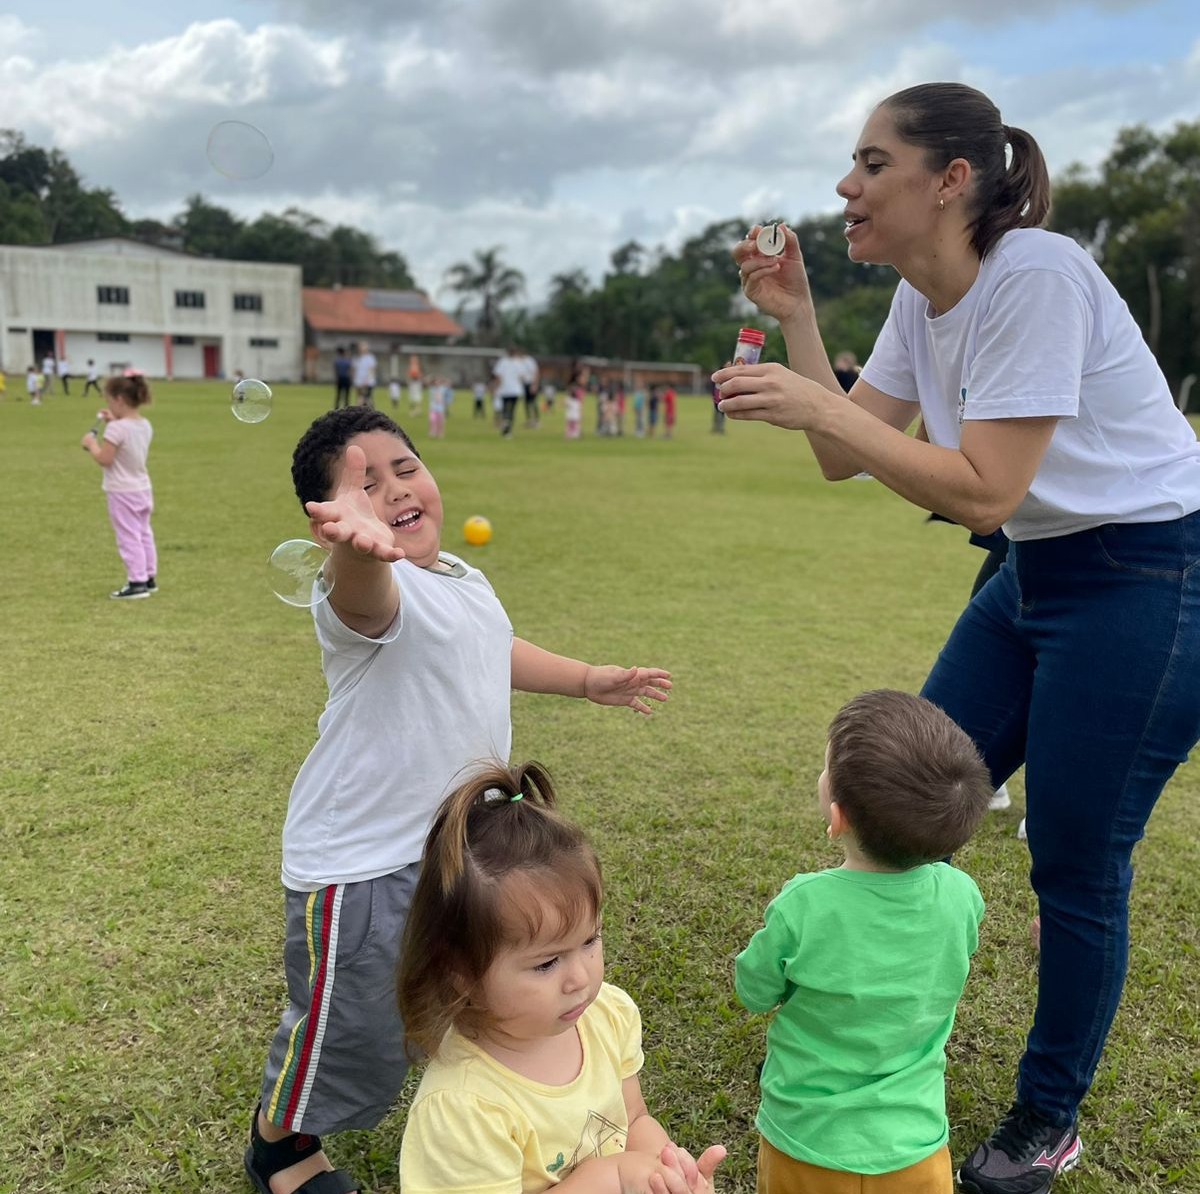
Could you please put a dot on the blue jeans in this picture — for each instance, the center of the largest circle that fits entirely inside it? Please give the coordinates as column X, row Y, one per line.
column 1081, row 658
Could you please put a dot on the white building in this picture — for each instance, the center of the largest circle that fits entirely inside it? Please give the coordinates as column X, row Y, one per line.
column 125, row 304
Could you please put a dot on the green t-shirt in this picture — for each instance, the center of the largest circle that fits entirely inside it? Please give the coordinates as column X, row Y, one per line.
column 866, row 970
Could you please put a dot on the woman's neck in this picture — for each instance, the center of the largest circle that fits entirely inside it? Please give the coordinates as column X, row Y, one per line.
column 943, row 272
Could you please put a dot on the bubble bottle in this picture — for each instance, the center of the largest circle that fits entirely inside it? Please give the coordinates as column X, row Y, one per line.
column 749, row 348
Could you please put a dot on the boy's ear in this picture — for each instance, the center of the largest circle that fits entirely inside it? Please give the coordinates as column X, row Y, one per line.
column 838, row 824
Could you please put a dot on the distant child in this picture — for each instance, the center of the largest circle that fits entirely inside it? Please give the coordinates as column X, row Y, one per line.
column 414, row 386
column 121, row 452
column 479, row 392
column 394, row 393
column 533, row 1082
column 3, row 385
column 639, row 411
column 33, row 385
column 864, row 964
column 92, row 378
column 668, row 412
column 437, row 411
column 573, row 411
column 653, row 411
column 421, row 661
column 608, row 412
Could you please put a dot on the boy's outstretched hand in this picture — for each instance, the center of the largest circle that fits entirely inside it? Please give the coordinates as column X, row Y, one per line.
column 348, row 517
column 612, row 685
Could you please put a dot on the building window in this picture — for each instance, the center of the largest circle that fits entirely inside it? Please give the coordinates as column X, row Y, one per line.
column 247, row 302
column 113, row 294
column 113, row 337
column 185, row 341
column 259, row 342
column 190, row 298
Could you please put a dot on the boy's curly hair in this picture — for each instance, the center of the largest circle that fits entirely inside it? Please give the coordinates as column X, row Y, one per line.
column 323, row 443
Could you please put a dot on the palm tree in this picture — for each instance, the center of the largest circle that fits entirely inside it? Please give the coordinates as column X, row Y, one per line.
column 490, row 281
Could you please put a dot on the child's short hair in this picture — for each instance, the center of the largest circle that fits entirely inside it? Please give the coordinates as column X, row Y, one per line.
column 910, row 781
column 495, row 839
column 130, row 386
column 322, row 444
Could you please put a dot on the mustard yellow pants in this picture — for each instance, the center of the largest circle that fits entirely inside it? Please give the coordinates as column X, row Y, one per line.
column 780, row 1174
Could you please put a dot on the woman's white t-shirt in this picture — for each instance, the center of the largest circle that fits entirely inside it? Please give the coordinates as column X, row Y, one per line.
column 1043, row 332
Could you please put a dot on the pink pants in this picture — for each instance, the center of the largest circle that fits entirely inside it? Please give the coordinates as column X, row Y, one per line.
column 437, row 424
column 129, row 514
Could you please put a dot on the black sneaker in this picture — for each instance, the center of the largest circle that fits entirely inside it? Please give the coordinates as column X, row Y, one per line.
column 131, row 592
column 1022, row 1156
column 151, row 587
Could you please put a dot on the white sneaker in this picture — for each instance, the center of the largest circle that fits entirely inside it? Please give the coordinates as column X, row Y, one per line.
column 1000, row 799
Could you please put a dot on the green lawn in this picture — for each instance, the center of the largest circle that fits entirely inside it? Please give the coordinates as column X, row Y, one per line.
column 148, row 749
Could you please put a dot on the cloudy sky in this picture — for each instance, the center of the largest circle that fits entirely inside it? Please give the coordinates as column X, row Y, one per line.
column 558, row 128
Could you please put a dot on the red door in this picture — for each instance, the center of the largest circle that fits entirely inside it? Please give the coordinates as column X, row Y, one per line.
column 212, row 360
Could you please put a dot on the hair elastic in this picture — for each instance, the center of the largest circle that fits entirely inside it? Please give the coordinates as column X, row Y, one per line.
column 518, row 796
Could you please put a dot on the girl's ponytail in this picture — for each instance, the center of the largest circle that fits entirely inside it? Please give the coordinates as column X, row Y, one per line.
column 499, row 822
column 132, row 387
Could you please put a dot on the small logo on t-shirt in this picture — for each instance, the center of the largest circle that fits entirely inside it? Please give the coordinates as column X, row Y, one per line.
column 556, row 1164
column 962, row 403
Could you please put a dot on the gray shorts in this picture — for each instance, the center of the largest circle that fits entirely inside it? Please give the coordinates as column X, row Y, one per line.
column 337, row 1061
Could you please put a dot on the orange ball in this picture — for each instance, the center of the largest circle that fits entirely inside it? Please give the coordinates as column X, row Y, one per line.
column 477, row 530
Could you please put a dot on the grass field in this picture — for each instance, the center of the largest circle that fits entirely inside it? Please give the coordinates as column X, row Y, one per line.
column 149, row 746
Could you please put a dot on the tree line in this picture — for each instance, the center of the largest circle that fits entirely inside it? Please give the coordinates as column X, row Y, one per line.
column 43, row 201
column 1138, row 214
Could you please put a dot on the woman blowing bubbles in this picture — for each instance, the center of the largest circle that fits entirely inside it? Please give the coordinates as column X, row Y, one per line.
column 1046, row 414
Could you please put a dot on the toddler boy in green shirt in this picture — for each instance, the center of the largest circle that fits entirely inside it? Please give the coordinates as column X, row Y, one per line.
column 864, row 964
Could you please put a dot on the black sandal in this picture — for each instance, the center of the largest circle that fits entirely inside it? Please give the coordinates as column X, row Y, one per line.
column 265, row 1158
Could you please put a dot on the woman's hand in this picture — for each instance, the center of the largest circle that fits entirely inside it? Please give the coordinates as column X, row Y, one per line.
column 777, row 286
column 771, row 394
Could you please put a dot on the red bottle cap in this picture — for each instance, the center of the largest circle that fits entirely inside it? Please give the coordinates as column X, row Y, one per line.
column 752, row 336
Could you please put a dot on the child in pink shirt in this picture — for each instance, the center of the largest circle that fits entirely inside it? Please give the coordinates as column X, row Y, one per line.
column 121, row 453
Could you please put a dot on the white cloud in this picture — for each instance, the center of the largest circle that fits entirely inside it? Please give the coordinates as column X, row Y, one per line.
column 558, row 128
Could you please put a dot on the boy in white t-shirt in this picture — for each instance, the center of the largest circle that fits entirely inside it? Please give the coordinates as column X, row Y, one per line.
column 420, row 659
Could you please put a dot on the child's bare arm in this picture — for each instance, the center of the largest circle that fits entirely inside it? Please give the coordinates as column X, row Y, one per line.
column 103, row 452
column 365, row 595
column 538, row 670
column 647, row 1135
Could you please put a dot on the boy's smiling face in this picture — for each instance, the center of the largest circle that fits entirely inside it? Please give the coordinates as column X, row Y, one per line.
column 403, row 494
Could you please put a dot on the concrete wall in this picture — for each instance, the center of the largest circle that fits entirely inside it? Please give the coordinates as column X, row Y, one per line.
column 55, row 289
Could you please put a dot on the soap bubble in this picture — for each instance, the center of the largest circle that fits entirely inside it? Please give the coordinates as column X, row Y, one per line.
column 251, row 400
column 239, row 151
column 295, row 574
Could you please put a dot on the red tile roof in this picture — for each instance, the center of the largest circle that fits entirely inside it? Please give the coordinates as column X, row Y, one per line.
column 354, row 309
